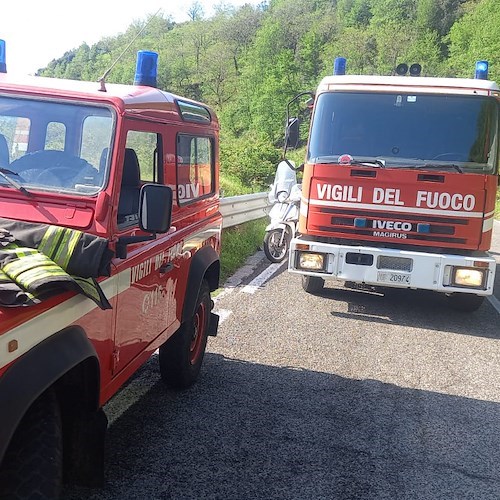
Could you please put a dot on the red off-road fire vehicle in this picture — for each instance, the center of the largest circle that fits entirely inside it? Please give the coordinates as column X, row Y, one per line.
column 109, row 248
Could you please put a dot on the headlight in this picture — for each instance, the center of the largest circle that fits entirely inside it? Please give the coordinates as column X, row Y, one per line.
column 311, row 261
column 469, row 277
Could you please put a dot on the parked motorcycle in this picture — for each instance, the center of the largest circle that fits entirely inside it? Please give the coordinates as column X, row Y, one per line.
column 284, row 214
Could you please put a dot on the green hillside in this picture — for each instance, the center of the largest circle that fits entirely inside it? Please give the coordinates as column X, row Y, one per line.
column 248, row 62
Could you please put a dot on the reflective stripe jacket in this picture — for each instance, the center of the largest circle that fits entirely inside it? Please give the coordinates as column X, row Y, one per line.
column 40, row 260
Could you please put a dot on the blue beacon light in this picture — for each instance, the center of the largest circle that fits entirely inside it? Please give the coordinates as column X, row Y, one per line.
column 146, row 69
column 3, row 65
column 481, row 70
column 339, row 66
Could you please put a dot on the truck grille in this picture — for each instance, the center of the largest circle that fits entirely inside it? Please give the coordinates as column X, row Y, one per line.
column 394, row 263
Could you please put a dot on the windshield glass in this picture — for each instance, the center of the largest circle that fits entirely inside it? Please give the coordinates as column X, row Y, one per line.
column 407, row 130
column 54, row 146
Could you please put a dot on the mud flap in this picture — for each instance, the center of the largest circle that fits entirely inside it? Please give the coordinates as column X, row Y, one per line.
column 213, row 324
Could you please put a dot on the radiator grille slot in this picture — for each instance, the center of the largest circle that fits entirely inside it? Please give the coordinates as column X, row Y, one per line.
column 395, row 263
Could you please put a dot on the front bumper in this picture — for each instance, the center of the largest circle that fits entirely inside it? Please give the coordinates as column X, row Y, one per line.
column 440, row 272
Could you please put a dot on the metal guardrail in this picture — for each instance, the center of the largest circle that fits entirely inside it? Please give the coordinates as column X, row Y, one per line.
column 238, row 209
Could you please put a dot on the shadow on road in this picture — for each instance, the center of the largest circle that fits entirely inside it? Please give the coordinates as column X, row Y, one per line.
column 251, row 431
column 429, row 310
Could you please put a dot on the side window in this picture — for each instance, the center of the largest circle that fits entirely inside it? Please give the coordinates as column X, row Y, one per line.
column 195, row 167
column 145, row 145
column 96, row 138
column 16, row 131
column 55, row 137
column 140, row 165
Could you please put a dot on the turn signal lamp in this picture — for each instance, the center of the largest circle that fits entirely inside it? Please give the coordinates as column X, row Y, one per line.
column 339, row 66
column 3, row 65
column 481, row 70
column 146, row 70
column 469, row 277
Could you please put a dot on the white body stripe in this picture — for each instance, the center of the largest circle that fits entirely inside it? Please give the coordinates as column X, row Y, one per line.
column 43, row 326
column 393, row 208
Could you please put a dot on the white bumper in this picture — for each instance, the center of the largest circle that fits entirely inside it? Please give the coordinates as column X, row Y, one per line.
column 393, row 268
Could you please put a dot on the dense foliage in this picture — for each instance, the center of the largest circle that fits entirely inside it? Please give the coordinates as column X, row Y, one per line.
column 249, row 62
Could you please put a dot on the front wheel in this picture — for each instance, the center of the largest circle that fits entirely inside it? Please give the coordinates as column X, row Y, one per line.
column 312, row 284
column 182, row 355
column 465, row 302
column 276, row 244
column 32, row 465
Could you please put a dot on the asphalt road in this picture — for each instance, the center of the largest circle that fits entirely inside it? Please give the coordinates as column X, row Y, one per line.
column 348, row 395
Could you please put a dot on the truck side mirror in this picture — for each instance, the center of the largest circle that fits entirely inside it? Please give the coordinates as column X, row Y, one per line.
column 155, row 208
column 292, row 133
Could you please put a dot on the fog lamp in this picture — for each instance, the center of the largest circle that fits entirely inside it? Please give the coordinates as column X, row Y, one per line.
column 470, row 277
column 311, row 261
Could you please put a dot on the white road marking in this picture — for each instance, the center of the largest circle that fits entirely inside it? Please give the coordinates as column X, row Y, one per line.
column 494, row 302
column 264, row 276
column 223, row 315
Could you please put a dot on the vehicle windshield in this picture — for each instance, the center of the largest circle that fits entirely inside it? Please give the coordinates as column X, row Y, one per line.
column 54, row 146
column 406, row 130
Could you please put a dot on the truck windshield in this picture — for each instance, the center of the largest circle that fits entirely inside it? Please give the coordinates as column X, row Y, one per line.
column 406, row 130
column 54, row 146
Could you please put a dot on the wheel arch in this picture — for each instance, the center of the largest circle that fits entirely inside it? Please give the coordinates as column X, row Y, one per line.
column 66, row 359
column 205, row 264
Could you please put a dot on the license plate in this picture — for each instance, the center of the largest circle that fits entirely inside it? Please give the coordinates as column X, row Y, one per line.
column 394, row 278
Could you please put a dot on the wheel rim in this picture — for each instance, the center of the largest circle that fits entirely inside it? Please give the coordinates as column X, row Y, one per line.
column 277, row 250
column 199, row 323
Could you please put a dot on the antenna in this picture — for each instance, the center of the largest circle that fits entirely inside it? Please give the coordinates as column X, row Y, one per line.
column 102, row 80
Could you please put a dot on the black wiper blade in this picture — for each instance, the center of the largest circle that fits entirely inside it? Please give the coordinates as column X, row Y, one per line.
column 437, row 166
column 368, row 163
column 14, row 183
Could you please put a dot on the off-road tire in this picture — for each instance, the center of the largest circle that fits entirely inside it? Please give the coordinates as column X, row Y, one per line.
column 465, row 302
column 312, row 284
column 32, row 467
column 182, row 355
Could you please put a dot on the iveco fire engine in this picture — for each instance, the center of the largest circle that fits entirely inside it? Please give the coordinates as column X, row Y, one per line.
column 399, row 183
column 109, row 248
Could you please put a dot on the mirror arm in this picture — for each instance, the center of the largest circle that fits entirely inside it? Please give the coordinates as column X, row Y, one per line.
column 123, row 241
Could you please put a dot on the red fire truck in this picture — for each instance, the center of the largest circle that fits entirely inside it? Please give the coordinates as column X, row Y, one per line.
column 399, row 183
column 109, row 248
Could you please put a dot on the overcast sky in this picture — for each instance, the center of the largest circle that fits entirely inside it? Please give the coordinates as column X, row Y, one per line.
column 38, row 31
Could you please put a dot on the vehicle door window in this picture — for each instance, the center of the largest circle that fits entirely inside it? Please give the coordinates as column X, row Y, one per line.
column 140, row 166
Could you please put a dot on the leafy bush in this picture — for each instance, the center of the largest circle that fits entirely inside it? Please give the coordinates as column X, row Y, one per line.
column 250, row 159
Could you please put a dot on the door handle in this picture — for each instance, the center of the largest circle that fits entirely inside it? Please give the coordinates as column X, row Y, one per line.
column 166, row 268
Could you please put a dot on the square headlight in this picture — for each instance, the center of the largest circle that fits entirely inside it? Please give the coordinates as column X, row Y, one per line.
column 469, row 277
column 311, row 261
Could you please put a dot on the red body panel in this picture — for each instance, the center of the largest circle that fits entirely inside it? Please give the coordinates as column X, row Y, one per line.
column 390, row 205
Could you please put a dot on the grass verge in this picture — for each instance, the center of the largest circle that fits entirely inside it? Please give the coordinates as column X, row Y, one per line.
column 239, row 243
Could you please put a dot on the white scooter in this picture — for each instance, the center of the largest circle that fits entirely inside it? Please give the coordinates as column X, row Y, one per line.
column 284, row 214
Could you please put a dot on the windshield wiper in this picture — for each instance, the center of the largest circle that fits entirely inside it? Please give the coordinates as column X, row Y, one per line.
column 12, row 182
column 370, row 163
column 437, row 166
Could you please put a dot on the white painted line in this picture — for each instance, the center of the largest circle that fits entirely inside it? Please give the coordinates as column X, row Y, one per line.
column 265, row 275
column 494, row 302
column 131, row 393
column 223, row 315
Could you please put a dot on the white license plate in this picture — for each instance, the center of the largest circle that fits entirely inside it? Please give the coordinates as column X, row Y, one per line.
column 393, row 278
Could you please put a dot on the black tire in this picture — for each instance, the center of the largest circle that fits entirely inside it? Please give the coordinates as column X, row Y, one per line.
column 465, row 302
column 272, row 248
column 182, row 355
column 312, row 284
column 33, row 464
